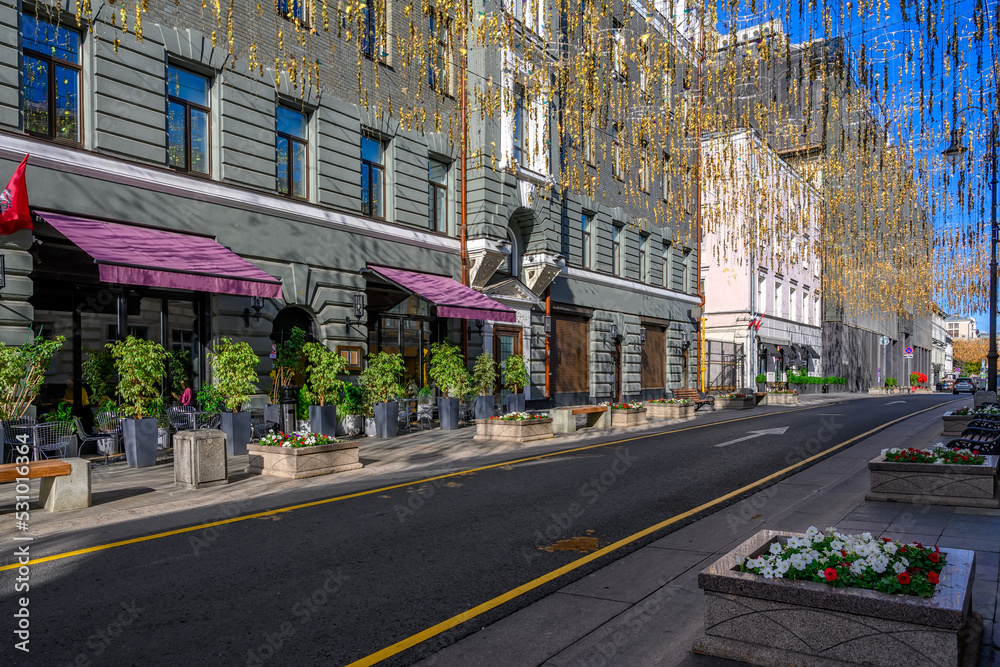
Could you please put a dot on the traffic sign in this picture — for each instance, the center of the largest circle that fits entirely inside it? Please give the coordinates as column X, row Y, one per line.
column 908, row 352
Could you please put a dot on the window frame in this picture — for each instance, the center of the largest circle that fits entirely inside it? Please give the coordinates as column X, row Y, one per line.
column 643, row 263
column 586, row 227
column 518, row 125
column 304, row 19
column 433, row 188
column 616, row 249
column 667, row 263
column 188, row 106
column 441, row 51
column 617, row 155
column 372, row 167
column 589, row 139
column 619, row 65
column 373, row 46
column 291, row 144
column 645, row 168
column 50, row 85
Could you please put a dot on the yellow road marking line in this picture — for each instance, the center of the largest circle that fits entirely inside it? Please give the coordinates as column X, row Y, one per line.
column 435, row 630
column 315, row 503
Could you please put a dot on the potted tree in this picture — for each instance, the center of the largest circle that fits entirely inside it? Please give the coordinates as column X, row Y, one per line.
column 447, row 370
column 286, row 366
column 515, row 378
column 234, row 371
column 323, row 387
column 22, row 371
column 351, row 410
column 484, row 381
column 381, row 382
column 141, row 366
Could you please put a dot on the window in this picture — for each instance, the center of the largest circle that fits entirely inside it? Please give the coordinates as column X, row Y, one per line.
column 510, row 263
column 589, row 133
column 666, row 177
column 688, row 278
column 616, row 249
column 292, row 151
column 643, row 268
column 645, row 172
column 52, row 80
column 587, row 224
column 618, row 48
column 188, row 143
column 806, row 311
column 792, row 310
column 140, row 332
column 439, row 72
column 761, row 294
column 518, row 123
column 818, row 314
column 183, row 341
column 667, row 259
column 372, row 177
column 437, row 196
column 645, row 68
column 777, row 300
column 617, row 156
column 294, row 10
column 373, row 42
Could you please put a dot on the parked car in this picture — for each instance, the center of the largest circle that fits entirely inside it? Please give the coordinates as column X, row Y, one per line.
column 963, row 385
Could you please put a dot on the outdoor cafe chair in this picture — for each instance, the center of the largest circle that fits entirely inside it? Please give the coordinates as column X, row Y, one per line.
column 100, row 438
column 110, row 424
column 12, row 428
column 52, row 439
column 181, row 417
column 425, row 414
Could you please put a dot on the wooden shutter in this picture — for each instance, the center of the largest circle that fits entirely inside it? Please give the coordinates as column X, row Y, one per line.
column 570, row 365
column 654, row 358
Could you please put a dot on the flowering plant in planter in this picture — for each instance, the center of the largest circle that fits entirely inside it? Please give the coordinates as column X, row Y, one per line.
column 296, row 440
column 940, row 454
column 784, row 391
column 960, row 413
column 857, row 561
column 741, row 395
column 981, row 410
column 518, row 416
column 671, row 401
column 622, row 406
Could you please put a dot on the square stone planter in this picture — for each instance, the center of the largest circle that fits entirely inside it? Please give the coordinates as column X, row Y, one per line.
column 670, row 410
column 300, row 462
column 934, row 483
column 780, row 622
column 513, row 430
column 636, row 417
column 953, row 425
column 782, row 399
column 735, row 403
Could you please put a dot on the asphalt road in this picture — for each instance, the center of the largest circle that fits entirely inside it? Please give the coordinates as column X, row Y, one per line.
column 334, row 583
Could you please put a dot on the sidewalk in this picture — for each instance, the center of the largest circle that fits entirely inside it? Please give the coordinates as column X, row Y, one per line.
column 122, row 494
column 647, row 609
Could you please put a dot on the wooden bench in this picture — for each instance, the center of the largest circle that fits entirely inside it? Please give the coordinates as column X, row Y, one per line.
column 695, row 397
column 65, row 483
column 564, row 419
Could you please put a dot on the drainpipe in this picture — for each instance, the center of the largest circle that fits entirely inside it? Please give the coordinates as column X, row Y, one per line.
column 548, row 315
column 697, row 211
column 462, row 188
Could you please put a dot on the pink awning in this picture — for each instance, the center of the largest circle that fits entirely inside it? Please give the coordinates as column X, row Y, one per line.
column 158, row 258
column 452, row 298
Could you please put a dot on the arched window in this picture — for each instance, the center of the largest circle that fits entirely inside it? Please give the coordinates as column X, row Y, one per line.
column 510, row 265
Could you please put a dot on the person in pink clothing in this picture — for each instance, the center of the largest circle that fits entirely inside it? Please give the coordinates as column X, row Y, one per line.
column 187, row 396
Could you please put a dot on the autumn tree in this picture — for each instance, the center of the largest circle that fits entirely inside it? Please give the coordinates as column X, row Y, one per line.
column 970, row 350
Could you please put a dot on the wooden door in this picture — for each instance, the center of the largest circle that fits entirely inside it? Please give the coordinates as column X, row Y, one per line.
column 506, row 343
column 616, row 390
column 654, row 358
column 569, row 359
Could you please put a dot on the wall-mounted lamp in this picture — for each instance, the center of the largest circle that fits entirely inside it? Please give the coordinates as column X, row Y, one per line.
column 256, row 302
column 359, row 312
column 685, row 339
column 614, row 331
column 642, row 335
column 3, row 271
column 478, row 324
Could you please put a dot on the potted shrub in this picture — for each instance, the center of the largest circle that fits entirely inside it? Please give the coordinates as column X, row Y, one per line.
column 515, row 378
column 286, row 366
column 99, row 375
column 22, row 371
column 351, row 411
column 234, row 371
column 484, row 382
column 323, row 387
column 761, row 383
column 380, row 380
column 141, row 366
column 447, row 370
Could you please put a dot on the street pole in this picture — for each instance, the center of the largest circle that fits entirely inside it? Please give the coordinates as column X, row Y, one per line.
column 991, row 357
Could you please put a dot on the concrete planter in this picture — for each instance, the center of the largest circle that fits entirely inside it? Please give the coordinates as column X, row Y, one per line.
column 934, row 483
column 200, row 458
column 670, row 410
column 513, row 430
column 300, row 462
column 635, row 417
column 782, row 399
column 953, row 425
column 780, row 622
column 734, row 403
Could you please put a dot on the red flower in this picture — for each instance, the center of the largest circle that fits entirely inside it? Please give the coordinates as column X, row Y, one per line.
column 843, row 552
column 830, row 574
column 903, row 578
column 934, row 557
column 887, row 539
column 933, row 577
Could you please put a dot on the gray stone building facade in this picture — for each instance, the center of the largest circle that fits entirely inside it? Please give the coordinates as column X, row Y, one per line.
column 313, row 186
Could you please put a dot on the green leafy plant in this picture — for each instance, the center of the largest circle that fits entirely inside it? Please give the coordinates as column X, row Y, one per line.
column 289, row 362
column 484, row 375
column 380, row 378
column 22, row 371
column 322, row 384
column 447, row 368
column 234, row 371
column 99, row 375
column 515, row 373
column 302, row 403
column 425, row 395
column 352, row 401
column 62, row 413
column 141, row 366
column 181, row 369
column 761, row 378
column 209, row 399
column 891, row 382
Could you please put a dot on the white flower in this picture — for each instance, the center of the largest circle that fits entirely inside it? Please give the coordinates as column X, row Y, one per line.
column 812, row 531
column 857, row 567
column 890, row 547
column 776, row 548
column 836, row 545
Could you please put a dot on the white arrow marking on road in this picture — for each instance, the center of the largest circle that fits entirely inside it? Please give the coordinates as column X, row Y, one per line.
column 755, row 434
column 895, row 402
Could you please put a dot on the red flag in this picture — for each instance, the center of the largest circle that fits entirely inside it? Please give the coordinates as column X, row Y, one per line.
column 14, row 213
